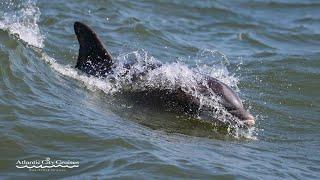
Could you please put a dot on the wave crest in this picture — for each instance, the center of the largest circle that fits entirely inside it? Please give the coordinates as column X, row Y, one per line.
column 20, row 19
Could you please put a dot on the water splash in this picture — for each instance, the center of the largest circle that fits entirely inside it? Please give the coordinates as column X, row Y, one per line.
column 20, row 19
column 214, row 64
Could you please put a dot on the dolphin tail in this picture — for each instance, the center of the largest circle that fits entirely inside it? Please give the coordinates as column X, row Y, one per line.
column 93, row 58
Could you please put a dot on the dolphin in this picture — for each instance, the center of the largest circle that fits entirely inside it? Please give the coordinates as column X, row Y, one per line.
column 95, row 60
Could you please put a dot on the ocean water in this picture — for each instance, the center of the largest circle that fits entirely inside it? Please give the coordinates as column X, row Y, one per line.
column 268, row 51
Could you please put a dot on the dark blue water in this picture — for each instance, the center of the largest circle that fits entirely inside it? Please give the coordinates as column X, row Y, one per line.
column 266, row 50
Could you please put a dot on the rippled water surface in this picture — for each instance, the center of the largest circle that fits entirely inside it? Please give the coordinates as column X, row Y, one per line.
column 269, row 51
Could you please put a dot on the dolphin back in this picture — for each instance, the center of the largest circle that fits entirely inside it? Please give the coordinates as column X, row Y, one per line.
column 93, row 58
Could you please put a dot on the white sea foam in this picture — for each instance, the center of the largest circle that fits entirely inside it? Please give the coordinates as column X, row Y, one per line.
column 21, row 20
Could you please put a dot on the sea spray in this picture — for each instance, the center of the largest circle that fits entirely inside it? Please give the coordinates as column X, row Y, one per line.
column 20, row 19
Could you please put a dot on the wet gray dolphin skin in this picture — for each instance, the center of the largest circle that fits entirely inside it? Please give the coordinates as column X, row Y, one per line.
column 95, row 60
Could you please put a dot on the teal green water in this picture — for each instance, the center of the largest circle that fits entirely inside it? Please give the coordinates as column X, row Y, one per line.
column 269, row 51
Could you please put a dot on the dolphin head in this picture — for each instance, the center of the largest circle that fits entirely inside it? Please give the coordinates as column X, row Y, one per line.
column 231, row 101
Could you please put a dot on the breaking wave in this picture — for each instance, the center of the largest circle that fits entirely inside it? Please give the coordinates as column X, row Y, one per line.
column 20, row 20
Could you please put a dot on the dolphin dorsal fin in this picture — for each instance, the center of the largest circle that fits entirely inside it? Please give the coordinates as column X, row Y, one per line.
column 93, row 58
